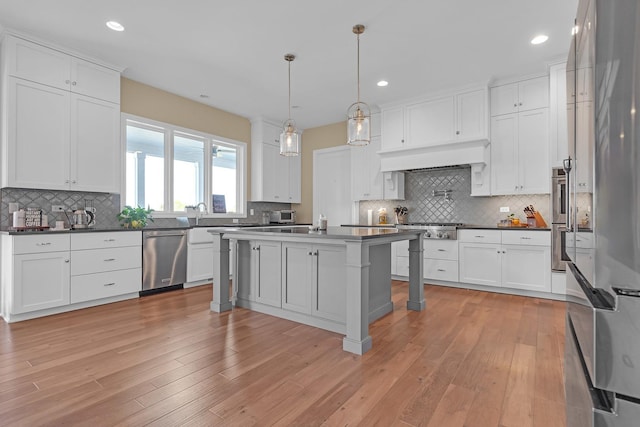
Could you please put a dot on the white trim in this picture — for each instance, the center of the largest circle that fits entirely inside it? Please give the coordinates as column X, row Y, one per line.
column 209, row 140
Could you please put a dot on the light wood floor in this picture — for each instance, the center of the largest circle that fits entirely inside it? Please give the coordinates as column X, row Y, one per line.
column 470, row 359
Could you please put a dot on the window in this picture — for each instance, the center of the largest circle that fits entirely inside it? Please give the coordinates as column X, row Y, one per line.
column 167, row 169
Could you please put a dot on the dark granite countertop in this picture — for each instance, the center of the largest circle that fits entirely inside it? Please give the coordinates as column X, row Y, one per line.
column 339, row 233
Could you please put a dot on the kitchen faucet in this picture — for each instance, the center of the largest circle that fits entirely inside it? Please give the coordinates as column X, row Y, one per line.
column 198, row 211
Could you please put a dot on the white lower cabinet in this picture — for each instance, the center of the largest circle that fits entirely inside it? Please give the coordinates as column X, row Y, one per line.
column 514, row 259
column 313, row 281
column 441, row 260
column 40, row 281
column 200, row 257
column 48, row 273
column 266, row 272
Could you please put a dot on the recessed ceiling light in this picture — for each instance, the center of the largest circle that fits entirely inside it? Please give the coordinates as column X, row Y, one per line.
column 383, row 83
column 539, row 39
column 115, row 26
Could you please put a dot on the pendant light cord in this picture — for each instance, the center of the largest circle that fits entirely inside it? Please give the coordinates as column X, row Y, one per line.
column 358, row 68
column 289, row 90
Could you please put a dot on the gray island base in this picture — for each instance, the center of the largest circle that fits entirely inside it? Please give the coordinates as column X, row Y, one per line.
column 338, row 279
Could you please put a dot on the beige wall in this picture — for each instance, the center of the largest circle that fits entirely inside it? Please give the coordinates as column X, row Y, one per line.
column 153, row 103
column 147, row 101
column 313, row 139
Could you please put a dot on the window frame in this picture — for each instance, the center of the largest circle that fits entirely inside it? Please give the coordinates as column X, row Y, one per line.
column 210, row 140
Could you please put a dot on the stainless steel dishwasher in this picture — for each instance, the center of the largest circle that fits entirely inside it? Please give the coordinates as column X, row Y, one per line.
column 164, row 260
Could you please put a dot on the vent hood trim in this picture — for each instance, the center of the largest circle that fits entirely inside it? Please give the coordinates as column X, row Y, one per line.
column 475, row 153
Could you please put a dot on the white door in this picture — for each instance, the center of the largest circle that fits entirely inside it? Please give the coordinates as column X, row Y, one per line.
column 38, row 136
column 332, row 185
column 329, row 283
column 297, row 261
column 471, row 115
column 267, row 260
column 504, row 152
column 37, row 63
column 199, row 262
column 480, row 263
column 295, row 176
column 533, row 94
column 95, row 80
column 504, row 99
column 526, row 267
column 533, row 152
column 95, row 145
column 393, row 128
column 40, row 281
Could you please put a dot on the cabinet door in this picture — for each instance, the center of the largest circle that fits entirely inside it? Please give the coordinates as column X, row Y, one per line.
column 359, row 173
column 297, row 259
column 504, row 99
column 533, row 152
column 430, row 122
column 37, row 63
column 267, row 268
column 480, row 264
column 38, row 136
column 584, row 146
column 504, row 152
column 271, row 191
column 199, row 262
column 329, row 283
column 95, row 145
column 95, row 80
column 558, row 132
column 40, row 281
column 533, row 94
column 471, row 119
column 526, row 267
column 295, row 177
column 374, row 173
column 393, row 128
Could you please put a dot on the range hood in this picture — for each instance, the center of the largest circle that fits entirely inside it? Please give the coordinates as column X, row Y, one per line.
column 475, row 153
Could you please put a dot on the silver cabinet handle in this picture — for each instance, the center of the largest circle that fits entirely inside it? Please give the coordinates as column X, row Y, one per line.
column 67, row 81
column 525, row 238
column 520, row 104
column 109, row 240
column 73, row 83
column 73, row 182
column 402, row 140
column 504, row 252
column 109, row 284
column 43, row 244
column 315, row 253
column 441, row 250
column 109, row 259
column 515, row 105
column 440, row 269
column 498, row 252
column 66, row 260
column 457, row 132
column 480, row 237
column 66, row 181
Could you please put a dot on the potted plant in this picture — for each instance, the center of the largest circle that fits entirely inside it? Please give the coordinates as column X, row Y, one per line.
column 136, row 217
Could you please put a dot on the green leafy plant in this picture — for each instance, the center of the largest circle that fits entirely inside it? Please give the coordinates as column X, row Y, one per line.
column 136, row 217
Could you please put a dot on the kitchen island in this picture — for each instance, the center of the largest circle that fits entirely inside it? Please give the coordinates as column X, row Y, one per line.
column 337, row 279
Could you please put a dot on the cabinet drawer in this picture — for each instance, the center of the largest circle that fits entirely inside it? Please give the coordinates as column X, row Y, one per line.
column 99, row 260
column 40, row 243
column 441, row 249
column 479, row 236
column 440, row 269
column 107, row 239
column 521, row 237
column 102, row 285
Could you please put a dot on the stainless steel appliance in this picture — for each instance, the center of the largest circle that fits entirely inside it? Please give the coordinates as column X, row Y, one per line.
column 602, row 353
column 285, row 216
column 82, row 218
column 164, row 259
column 559, row 202
column 434, row 230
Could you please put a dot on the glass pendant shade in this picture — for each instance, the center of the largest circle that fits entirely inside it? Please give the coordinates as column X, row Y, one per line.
column 289, row 139
column 359, row 124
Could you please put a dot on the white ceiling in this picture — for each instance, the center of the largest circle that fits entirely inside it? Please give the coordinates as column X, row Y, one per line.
column 233, row 50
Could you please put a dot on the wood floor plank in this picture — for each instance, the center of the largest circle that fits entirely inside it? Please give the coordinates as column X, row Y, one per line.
column 470, row 358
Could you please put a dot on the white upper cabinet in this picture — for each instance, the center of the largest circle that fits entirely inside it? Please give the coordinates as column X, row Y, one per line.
column 521, row 96
column 62, row 120
column 37, row 63
column 274, row 178
column 558, row 131
column 451, row 118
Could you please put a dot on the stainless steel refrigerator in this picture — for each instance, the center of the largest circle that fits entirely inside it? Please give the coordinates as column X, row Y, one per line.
column 602, row 353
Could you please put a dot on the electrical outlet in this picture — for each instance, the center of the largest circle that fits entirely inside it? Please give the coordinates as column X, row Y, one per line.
column 57, row 208
column 504, row 209
column 251, row 211
column 235, row 220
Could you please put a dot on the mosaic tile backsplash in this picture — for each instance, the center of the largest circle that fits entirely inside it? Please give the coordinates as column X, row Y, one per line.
column 460, row 207
column 107, row 207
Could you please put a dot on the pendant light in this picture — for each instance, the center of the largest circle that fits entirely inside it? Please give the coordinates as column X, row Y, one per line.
column 359, row 113
column 289, row 138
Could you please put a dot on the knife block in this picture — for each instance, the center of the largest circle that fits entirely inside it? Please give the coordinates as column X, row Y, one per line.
column 539, row 220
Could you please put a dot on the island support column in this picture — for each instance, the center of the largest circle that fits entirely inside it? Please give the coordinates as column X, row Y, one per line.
column 416, row 277
column 357, row 340
column 220, row 260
